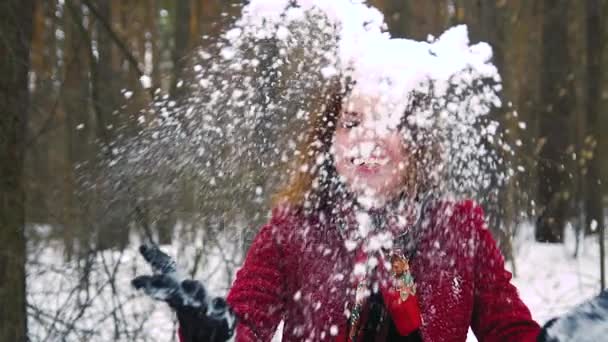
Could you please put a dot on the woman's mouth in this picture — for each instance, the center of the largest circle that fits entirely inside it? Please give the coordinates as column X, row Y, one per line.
column 368, row 157
column 370, row 162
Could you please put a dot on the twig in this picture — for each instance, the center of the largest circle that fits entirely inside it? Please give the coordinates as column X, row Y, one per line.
column 119, row 43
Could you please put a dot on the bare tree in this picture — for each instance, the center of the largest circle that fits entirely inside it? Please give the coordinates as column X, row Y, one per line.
column 16, row 18
column 594, row 205
column 554, row 194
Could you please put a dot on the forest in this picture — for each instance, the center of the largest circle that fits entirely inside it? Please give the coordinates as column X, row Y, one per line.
column 80, row 78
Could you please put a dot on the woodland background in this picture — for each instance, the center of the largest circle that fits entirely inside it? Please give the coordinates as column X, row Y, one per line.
column 71, row 79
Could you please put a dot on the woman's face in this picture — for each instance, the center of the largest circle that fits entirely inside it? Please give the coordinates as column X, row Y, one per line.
column 370, row 154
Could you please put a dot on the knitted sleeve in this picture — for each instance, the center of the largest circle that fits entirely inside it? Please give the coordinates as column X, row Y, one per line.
column 258, row 294
column 498, row 312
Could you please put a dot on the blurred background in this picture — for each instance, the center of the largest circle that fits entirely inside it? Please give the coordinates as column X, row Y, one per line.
column 77, row 75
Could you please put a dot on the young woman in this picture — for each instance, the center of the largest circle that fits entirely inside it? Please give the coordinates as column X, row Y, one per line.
column 316, row 268
column 359, row 248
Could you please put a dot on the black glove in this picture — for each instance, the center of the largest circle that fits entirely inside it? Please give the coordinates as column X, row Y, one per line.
column 201, row 319
column 587, row 322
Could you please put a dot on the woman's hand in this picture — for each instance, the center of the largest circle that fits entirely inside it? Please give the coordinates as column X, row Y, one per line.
column 200, row 319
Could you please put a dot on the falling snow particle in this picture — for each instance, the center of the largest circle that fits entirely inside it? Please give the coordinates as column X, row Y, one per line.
column 145, row 81
column 282, row 33
column 228, row 53
column 333, row 330
column 127, row 94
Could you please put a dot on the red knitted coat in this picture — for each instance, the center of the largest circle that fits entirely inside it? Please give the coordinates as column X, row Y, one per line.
column 297, row 270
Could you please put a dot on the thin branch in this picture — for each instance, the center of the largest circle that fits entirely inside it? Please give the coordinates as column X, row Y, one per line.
column 119, row 43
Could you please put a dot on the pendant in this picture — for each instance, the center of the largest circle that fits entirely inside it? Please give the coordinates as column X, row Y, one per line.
column 399, row 264
column 403, row 294
column 404, row 282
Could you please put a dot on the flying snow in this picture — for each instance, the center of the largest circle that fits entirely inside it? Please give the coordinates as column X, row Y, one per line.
column 250, row 91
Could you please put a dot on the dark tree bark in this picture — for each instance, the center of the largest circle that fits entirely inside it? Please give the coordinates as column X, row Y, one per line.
column 105, row 99
column 181, row 39
column 414, row 19
column 153, row 32
column 42, row 111
column 594, row 208
column 556, row 106
column 79, row 126
column 16, row 17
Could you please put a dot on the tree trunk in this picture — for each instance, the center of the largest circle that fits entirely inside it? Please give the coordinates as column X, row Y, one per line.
column 16, row 17
column 78, row 124
column 104, row 97
column 519, row 46
column 576, row 24
column 555, row 111
column 152, row 31
column 594, row 208
column 181, row 39
column 414, row 19
column 37, row 158
column 105, row 100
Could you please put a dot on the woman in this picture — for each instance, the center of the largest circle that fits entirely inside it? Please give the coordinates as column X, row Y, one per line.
column 302, row 266
column 358, row 249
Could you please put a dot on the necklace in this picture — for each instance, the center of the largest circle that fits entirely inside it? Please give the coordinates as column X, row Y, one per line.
column 403, row 279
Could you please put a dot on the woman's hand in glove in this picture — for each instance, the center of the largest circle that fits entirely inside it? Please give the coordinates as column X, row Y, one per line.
column 201, row 319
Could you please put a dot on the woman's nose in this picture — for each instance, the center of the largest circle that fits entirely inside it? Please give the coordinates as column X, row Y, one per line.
column 368, row 131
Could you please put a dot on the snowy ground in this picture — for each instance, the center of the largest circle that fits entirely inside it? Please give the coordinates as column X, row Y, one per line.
column 550, row 280
column 92, row 299
column 65, row 305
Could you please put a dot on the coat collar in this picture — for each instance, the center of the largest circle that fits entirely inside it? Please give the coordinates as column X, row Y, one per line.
column 358, row 225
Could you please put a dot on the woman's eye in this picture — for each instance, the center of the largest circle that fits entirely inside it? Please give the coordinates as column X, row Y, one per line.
column 350, row 124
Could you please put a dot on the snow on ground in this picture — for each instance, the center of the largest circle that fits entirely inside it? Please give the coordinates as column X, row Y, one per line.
column 105, row 307
column 92, row 299
column 550, row 280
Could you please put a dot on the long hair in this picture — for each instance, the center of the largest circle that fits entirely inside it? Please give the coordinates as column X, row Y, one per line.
column 312, row 170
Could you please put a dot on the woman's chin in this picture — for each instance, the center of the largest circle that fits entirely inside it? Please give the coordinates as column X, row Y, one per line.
column 370, row 201
column 371, row 197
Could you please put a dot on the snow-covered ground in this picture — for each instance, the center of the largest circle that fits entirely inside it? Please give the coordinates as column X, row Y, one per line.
column 550, row 280
column 65, row 305
column 92, row 299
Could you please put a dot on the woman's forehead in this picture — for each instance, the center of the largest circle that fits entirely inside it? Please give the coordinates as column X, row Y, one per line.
column 357, row 102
